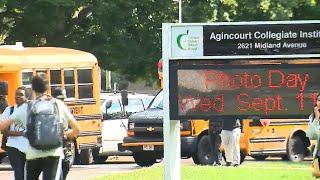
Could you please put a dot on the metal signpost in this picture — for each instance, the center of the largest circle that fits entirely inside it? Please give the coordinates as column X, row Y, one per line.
column 197, row 88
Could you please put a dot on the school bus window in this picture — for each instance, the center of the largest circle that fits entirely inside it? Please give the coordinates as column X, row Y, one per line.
column 85, row 91
column 68, row 77
column 84, row 76
column 55, row 79
column 69, row 83
column 85, row 83
column 70, row 91
column 26, row 78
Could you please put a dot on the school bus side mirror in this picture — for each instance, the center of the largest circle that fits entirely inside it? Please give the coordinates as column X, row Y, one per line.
column 107, row 106
column 124, row 98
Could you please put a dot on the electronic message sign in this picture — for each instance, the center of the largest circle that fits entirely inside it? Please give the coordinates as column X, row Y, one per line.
column 272, row 91
column 278, row 76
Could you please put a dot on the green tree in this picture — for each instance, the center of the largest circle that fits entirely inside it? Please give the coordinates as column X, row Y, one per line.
column 125, row 35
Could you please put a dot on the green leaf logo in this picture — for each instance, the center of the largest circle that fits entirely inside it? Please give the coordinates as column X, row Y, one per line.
column 179, row 41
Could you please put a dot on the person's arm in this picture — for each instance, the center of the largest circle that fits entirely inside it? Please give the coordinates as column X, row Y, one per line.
column 4, row 124
column 74, row 130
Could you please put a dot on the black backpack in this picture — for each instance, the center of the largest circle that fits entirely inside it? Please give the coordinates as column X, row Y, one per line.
column 44, row 129
column 5, row 136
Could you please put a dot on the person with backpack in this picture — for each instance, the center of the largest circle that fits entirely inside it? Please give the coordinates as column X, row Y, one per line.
column 13, row 140
column 60, row 94
column 44, row 119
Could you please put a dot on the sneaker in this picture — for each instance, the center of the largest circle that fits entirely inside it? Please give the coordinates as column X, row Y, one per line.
column 217, row 164
column 228, row 164
column 235, row 165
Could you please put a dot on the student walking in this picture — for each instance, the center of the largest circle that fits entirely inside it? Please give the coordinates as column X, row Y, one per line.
column 44, row 149
column 230, row 137
column 16, row 142
column 60, row 93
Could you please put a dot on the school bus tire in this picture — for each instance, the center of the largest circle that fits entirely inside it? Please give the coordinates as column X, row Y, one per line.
column 86, row 156
column 204, row 155
column 98, row 159
column 259, row 157
column 144, row 159
column 296, row 149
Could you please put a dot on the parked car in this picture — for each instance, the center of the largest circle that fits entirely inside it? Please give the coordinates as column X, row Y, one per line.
column 115, row 122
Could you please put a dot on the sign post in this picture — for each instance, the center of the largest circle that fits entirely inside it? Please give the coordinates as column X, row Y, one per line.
column 171, row 128
column 236, row 70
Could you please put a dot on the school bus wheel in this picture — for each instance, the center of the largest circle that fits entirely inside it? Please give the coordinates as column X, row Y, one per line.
column 204, row 154
column 98, row 159
column 296, row 149
column 86, row 157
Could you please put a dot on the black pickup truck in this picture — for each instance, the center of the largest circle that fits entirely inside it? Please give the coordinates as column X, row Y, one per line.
column 145, row 135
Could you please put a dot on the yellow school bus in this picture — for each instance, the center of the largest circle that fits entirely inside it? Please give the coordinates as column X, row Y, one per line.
column 76, row 71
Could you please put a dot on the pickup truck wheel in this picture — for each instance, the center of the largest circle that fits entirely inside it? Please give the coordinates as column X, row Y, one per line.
column 204, row 153
column 98, row 159
column 86, row 157
column 2, row 155
column 296, row 149
column 144, row 159
column 259, row 157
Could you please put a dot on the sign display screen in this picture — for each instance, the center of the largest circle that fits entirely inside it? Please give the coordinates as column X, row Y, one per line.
column 269, row 91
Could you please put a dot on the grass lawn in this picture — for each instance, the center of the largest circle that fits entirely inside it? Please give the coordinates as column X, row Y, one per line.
column 268, row 170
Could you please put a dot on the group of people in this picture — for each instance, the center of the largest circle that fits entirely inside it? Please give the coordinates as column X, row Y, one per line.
column 26, row 160
column 227, row 133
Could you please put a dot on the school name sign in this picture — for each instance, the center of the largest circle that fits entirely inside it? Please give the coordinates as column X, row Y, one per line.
column 263, row 39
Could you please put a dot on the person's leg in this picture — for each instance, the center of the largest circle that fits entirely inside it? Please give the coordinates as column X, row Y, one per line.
column 235, row 143
column 225, row 137
column 217, row 148
column 33, row 169
column 17, row 161
column 210, row 133
column 52, row 168
column 65, row 168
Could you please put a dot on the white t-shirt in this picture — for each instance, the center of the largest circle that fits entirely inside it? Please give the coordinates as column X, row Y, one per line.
column 18, row 142
column 19, row 116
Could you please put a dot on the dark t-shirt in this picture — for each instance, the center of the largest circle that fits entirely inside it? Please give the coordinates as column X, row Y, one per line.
column 215, row 125
column 230, row 124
